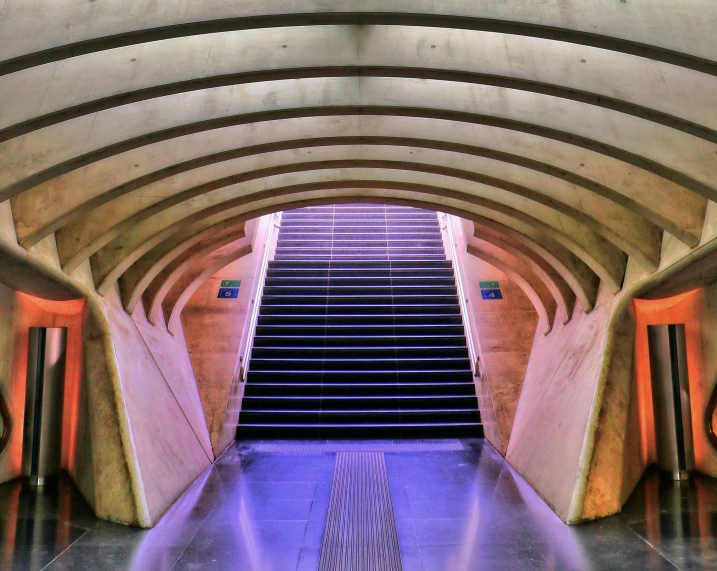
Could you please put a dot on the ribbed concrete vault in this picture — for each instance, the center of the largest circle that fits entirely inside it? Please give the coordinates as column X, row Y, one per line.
column 573, row 134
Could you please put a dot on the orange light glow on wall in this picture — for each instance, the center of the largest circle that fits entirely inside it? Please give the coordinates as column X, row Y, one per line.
column 30, row 311
column 690, row 309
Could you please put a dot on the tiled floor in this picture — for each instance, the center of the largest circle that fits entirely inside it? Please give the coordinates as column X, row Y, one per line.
column 454, row 510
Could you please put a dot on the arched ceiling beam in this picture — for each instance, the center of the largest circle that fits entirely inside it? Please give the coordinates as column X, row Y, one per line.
column 158, row 287
column 50, row 206
column 175, row 300
column 586, row 130
column 119, row 257
column 35, row 222
column 532, row 286
column 560, row 259
column 558, row 287
column 578, row 95
column 631, row 234
column 605, row 260
column 96, row 35
column 140, row 275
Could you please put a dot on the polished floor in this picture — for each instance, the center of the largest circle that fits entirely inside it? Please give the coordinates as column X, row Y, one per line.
column 457, row 506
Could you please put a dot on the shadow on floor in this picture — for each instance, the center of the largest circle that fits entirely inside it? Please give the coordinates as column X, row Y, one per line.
column 456, row 509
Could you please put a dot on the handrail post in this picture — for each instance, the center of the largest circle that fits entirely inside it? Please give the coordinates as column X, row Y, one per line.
column 248, row 342
column 462, row 298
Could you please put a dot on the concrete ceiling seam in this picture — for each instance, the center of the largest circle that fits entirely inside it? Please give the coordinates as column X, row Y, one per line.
column 559, row 259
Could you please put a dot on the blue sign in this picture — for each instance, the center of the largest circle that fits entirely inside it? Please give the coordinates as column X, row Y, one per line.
column 491, row 294
column 228, row 292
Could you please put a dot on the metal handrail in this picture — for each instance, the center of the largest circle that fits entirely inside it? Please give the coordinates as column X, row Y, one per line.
column 6, row 424
column 256, row 301
column 462, row 298
column 709, row 413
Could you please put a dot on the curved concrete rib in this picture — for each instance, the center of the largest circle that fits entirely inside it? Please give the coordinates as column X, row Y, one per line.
column 140, row 275
column 533, row 288
column 163, row 90
column 562, row 25
column 571, row 269
column 606, row 263
column 581, row 279
column 158, row 288
column 631, row 234
column 33, row 226
column 558, row 287
column 697, row 177
column 190, row 282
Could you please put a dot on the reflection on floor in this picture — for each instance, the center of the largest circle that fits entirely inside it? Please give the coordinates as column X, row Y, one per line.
column 456, row 509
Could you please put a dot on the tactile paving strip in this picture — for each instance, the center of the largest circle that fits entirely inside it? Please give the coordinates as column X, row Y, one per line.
column 368, row 446
column 360, row 531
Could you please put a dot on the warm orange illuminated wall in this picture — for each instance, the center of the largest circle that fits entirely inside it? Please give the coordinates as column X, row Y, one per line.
column 19, row 312
column 698, row 311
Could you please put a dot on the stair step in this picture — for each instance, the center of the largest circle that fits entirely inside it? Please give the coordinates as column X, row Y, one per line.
column 359, row 388
column 396, row 430
column 370, row 416
column 348, row 354
column 359, row 402
column 362, row 341
column 396, row 376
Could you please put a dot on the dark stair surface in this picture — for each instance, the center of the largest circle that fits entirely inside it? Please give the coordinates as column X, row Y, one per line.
column 360, row 331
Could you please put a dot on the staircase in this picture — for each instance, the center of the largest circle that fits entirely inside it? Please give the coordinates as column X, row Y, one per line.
column 360, row 332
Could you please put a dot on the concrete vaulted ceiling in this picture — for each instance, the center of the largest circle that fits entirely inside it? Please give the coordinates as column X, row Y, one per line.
column 572, row 133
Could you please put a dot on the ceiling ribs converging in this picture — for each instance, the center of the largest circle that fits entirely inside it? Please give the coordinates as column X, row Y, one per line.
column 143, row 143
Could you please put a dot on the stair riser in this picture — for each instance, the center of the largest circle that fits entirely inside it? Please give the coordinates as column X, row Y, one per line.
column 360, row 389
column 358, row 418
column 355, row 353
column 353, row 314
column 329, row 377
column 362, row 341
column 318, row 364
column 311, row 432
column 356, row 402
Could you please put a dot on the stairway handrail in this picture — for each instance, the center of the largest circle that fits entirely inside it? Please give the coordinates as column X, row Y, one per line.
column 245, row 357
column 6, row 423
column 462, row 298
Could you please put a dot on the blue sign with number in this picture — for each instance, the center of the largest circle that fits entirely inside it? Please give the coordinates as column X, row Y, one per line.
column 491, row 294
column 228, row 292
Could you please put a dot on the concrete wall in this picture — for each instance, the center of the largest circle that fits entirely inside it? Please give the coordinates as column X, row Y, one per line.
column 504, row 331
column 164, row 414
column 216, row 332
